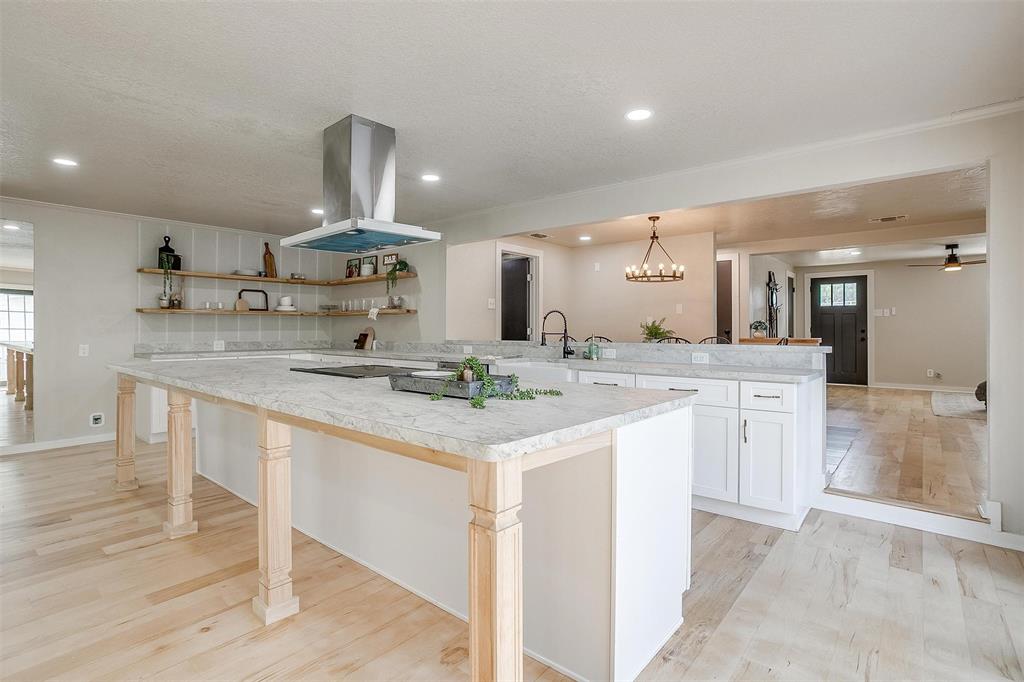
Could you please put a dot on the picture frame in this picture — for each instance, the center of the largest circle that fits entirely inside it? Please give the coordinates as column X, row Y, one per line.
column 351, row 268
column 388, row 259
column 370, row 260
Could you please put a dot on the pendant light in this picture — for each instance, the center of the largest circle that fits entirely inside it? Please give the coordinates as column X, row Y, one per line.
column 646, row 272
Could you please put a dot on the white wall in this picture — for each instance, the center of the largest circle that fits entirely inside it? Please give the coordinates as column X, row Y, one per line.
column 995, row 135
column 941, row 322
column 596, row 301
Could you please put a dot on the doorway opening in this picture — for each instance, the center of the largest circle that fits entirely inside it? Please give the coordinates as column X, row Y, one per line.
column 518, row 290
column 17, row 334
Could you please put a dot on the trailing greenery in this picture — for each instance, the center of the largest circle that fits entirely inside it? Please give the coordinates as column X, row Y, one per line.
column 490, row 387
column 392, row 273
column 656, row 330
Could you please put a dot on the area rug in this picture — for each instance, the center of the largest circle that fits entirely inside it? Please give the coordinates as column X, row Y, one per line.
column 960, row 405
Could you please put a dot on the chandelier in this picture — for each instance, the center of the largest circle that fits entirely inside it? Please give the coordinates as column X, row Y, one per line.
column 646, row 273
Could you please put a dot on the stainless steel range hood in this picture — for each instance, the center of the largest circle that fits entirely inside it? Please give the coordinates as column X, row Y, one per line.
column 359, row 193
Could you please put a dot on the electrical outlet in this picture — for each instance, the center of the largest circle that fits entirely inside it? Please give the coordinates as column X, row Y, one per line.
column 467, row 349
column 597, row 267
column 83, row 350
column 96, row 419
column 892, row 311
column 608, row 353
column 930, row 373
column 699, row 358
column 490, row 304
column 218, row 344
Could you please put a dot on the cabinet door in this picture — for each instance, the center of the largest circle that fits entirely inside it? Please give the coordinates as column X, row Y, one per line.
column 767, row 460
column 716, row 452
column 607, row 378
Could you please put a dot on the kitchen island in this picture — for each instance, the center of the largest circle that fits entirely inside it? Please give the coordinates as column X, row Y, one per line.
column 589, row 580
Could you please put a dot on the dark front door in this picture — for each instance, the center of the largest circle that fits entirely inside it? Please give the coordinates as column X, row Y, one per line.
column 839, row 315
column 515, row 299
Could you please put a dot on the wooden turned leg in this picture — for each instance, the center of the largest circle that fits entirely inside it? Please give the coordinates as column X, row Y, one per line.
column 495, row 571
column 125, row 447
column 179, row 466
column 19, row 376
column 11, row 371
column 29, row 390
column 275, row 600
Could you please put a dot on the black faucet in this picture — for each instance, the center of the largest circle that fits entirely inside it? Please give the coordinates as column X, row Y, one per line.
column 566, row 350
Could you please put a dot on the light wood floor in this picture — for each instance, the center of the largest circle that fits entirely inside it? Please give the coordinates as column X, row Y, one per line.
column 15, row 421
column 89, row 589
column 903, row 453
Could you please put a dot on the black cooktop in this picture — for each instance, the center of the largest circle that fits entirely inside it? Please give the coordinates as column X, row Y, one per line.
column 355, row 371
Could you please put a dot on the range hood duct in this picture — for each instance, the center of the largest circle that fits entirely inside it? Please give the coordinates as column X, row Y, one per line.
column 359, row 193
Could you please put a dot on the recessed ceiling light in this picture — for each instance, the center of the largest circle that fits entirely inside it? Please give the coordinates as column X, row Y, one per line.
column 65, row 162
column 584, row 237
column 316, row 211
column 855, row 252
column 639, row 114
column 430, row 177
column 8, row 226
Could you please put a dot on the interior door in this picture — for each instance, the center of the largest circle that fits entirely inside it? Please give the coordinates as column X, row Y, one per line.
column 724, row 303
column 839, row 316
column 515, row 299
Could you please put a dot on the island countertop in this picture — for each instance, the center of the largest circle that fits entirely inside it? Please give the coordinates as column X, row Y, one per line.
column 505, row 429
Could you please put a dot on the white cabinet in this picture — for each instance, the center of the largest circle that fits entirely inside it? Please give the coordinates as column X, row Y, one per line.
column 767, row 460
column 607, row 378
column 757, row 395
column 716, row 452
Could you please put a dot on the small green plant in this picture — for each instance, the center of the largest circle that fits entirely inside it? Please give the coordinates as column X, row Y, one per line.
column 391, row 278
column 489, row 388
column 655, row 330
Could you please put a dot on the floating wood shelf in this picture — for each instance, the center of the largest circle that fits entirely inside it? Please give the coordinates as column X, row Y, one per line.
column 278, row 280
column 284, row 313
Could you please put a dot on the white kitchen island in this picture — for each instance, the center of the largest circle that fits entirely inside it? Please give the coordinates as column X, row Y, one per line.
column 578, row 506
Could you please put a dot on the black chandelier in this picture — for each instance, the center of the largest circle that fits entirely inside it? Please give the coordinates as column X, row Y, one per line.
column 646, row 273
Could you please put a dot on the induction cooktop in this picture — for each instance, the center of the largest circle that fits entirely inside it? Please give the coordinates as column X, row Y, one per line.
column 355, row 371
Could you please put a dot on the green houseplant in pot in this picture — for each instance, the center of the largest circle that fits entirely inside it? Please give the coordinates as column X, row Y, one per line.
column 655, row 330
column 391, row 279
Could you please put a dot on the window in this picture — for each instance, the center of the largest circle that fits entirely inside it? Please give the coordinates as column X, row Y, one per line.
column 16, row 323
column 843, row 294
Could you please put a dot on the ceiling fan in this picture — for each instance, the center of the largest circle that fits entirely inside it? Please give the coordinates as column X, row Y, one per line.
column 952, row 263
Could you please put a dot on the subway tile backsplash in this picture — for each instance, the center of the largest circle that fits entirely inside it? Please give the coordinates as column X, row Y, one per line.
column 208, row 249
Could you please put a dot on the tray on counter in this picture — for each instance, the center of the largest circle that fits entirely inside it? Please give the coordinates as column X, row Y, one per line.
column 455, row 389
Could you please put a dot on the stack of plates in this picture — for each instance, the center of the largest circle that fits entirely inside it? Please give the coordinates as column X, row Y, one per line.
column 247, row 271
column 286, row 309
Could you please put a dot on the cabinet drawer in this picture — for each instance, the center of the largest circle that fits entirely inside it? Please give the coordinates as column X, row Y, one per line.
column 607, row 378
column 714, row 392
column 771, row 397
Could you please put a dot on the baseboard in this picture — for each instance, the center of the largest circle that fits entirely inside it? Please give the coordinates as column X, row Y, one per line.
column 925, row 387
column 918, row 519
column 744, row 513
column 56, row 444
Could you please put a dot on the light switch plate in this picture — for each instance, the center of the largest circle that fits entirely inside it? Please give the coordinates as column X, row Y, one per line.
column 83, row 350
column 679, row 308
column 597, row 267
column 467, row 349
column 892, row 311
column 490, row 304
column 699, row 358
column 607, row 353
column 218, row 344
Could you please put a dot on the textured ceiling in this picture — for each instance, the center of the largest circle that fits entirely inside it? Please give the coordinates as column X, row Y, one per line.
column 16, row 246
column 211, row 112
column 925, row 199
column 923, row 251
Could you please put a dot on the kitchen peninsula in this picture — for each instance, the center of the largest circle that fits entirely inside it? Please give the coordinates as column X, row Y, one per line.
column 589, row 580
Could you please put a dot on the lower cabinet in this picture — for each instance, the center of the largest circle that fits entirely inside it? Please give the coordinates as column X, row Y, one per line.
column 767, row 463
column 716, row 452
column 607, row 378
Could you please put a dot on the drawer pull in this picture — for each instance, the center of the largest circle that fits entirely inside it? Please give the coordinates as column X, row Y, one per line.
column 744, row 430
column 771, row 397
column 601, row 383
column 681, row 389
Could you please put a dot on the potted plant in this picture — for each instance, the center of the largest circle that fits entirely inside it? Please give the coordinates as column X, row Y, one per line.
column 655, row 330
column 391, row 279
column 165, row 297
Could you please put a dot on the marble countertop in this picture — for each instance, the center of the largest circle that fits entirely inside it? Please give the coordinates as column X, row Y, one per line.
column 504, row 430
column 388, row 355
column 700, row 371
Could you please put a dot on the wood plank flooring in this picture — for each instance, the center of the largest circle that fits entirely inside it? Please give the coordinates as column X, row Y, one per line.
column 903, row 454
column 89, row 589
column 15, row 422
